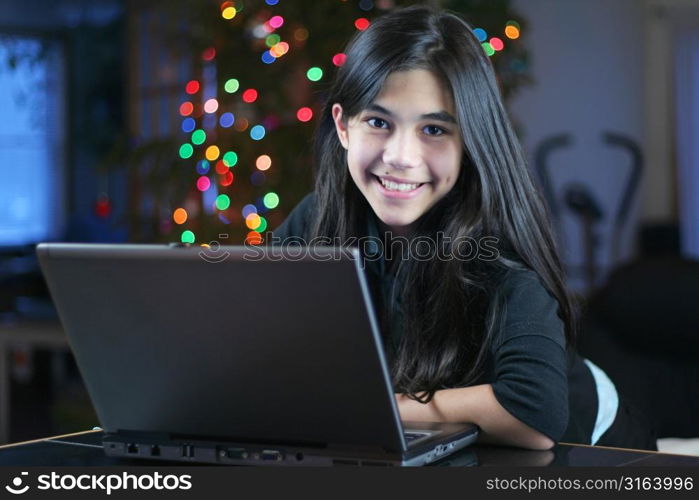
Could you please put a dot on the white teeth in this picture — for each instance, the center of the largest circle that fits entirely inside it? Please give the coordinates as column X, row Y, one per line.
column 396, row 186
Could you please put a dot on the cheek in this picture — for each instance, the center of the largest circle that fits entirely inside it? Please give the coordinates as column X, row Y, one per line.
column 362, row 156
column 446, row 166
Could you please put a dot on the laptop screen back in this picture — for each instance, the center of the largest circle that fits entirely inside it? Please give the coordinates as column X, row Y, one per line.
column 272, row 349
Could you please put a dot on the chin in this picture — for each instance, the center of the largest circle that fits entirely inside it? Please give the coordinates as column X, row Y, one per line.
column 397, row 223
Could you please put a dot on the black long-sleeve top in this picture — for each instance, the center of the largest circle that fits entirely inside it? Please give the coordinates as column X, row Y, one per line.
column 534, row 376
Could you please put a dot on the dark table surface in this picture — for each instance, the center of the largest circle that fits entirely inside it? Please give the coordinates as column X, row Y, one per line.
column 85, row 449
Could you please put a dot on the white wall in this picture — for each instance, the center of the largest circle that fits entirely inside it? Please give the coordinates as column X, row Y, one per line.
column 587, row 62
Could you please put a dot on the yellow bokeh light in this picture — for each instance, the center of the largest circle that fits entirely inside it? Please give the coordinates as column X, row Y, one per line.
column 511, row 32
column 279, row 49
column 212, row 153
column 229, row 13
column 253, row 221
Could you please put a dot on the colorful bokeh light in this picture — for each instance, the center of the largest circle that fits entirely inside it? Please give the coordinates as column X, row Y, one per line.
column 227, row 120
column 263, row 225
column 179, row 216
column 212, row 153
column 272, row 40
column 304, row 114
column 362, row 23
column 267, row 57
column 226, row 179
column 250, row 95
column 186, row 108
column 253, row 238
column 221, row 168
column 223, row 202
column 252, row 221
column 231, row 86
column 208, row 54
column 229, row 13
column 339, row 59
column 497, row 44
column 203, row 183
column 257, row 132
column 480, row 34
column 271, row 200
column 188, row 124
column 203, row 167
column 512, row 30
column 241, row 125
column 263, row 162
column 249, row 209
column 230, row 159
column 198, row 137
column 192, row 87
column 276, row 22
column 186, row 151
column 314, row 74
column 279, row 49
column 211, row 106
column 187, row 237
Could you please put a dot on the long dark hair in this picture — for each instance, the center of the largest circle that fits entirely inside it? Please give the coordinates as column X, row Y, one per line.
column 450, row 310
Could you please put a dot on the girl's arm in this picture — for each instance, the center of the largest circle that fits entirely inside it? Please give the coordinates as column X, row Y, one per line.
column 478, row 405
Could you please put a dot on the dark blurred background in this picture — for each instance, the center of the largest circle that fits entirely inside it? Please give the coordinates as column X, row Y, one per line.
column 184, row 120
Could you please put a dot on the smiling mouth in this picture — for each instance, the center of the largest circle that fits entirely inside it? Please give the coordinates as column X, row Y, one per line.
column 398, row 186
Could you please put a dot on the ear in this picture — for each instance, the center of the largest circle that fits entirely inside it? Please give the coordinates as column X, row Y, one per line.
column 340, row 125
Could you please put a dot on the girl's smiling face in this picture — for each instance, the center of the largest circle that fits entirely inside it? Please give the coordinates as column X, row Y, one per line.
column 404, row 151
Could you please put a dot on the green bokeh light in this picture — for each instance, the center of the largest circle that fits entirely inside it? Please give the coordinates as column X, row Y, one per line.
column 271, row 200
column 187, row 237
column 230, row 159
column 223, row 201
column 314, row 74
column 272, row 40
column 198, row 137
column 231, row 85
column 186, row 150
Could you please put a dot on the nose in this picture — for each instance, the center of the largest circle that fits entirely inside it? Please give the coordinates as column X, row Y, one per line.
column 402, row 150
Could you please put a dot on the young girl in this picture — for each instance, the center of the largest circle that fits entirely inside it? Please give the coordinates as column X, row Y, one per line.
column 414, row 145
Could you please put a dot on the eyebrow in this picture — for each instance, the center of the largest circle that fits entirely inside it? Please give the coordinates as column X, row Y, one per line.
column 441, row 116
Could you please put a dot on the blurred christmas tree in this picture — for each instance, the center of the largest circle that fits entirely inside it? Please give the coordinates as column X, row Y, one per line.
column 259, row 71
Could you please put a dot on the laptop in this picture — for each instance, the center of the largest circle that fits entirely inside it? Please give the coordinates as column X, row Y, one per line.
column 235, row 355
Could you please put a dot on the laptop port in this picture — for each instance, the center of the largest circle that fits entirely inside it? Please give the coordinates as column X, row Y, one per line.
column 188, row 451
column 272, row 455
column 237, row 453
column 155, row 451
column 132, row 448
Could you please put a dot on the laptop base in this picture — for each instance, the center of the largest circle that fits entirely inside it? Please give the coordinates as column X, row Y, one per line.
column 236, row 453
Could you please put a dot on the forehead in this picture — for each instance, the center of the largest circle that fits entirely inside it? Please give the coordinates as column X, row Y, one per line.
column 415, row 91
